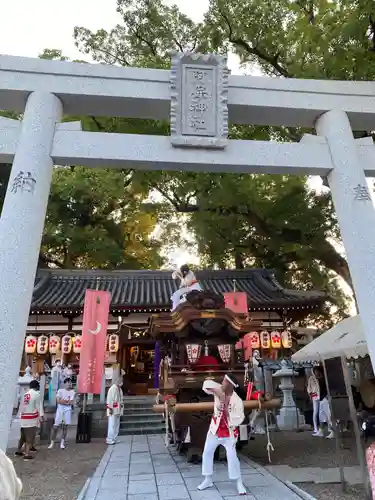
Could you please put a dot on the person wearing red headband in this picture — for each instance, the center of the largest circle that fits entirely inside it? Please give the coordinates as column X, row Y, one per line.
column 223, row 430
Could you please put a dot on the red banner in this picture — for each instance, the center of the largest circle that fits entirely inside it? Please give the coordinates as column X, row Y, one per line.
column 236, row 301
column 94, row 336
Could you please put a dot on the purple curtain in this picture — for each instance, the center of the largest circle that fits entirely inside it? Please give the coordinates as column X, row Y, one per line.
column 157, row 360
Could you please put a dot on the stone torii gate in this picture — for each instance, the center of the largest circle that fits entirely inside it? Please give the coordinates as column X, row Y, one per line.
column 199, row 96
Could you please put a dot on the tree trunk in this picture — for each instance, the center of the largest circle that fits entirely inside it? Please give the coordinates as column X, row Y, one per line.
column 238, row 260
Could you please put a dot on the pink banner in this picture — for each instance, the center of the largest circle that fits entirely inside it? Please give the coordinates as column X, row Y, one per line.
column 370, row 459
column 94, row 336
column 236, row 301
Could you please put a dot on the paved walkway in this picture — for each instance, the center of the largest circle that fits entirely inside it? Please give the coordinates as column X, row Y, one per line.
column 317, row 475
column 142, row 468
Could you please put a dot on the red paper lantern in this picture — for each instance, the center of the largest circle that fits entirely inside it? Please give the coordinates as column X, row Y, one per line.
column 42, row 345
column 66, row 344
column 265, row 340
column 286, row 339
column 276, row 340
column 254, row 340
column 54, row 344
column 113, row 343
column 30, row 344
column 77, row 344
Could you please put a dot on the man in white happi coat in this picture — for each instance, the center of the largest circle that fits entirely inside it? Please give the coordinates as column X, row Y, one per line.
column 188, row 283
column 32, row 413
column 223, row 430
column 65, row 399
column 114, row 410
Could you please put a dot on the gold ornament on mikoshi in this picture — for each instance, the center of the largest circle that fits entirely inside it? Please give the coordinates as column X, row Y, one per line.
column 265, row 340
column 77, row 344
column 225, row 352
column 113, row 343
column 254, row 340
column 286, row 339
column 42, row 345
column 54, row 344
column 276, row 339
column 30, row 344
column 66, row 344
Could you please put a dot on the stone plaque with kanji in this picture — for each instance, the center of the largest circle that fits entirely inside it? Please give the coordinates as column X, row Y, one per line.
column 199, row 101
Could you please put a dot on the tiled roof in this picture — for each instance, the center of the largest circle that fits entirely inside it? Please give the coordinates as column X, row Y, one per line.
column 64, row 290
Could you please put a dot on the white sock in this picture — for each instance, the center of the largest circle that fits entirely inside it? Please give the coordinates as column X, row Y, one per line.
column 207, row 483
column 51, row 445
column 240, row 487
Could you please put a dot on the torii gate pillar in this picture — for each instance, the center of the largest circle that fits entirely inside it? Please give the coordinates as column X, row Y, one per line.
column 21, row 229
column 355, row 214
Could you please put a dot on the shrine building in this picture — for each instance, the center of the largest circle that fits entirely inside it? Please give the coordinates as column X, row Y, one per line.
column 137, row 296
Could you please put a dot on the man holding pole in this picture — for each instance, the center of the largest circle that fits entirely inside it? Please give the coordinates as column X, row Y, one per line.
column 223, row 430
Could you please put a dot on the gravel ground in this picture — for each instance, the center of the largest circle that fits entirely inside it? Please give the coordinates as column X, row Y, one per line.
column 333, row 491
column 301, row 449
column 58, row 474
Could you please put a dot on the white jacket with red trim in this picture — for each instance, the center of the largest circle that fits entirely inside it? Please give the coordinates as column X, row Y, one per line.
column 236, row 414
column 31, row 408
column 114, row 400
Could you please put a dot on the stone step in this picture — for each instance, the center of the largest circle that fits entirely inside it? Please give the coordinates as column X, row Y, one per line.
column 140, row 423
column 155, row 429
column 147, row 399
column 144, row 416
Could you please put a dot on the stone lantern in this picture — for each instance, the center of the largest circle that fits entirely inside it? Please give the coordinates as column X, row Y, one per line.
column 289, row 417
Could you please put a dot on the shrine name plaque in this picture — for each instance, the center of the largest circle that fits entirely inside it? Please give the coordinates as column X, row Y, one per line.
column 199, row 101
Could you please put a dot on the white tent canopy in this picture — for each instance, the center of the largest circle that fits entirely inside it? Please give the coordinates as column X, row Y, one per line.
column 346, row 338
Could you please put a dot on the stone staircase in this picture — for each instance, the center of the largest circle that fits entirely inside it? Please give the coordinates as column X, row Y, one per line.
column 138, row 417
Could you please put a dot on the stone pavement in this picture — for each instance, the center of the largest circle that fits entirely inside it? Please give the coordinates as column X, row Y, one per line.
column 316, row 474
column 142, row 468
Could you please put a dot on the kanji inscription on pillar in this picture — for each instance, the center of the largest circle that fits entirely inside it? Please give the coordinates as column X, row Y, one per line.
column 361, row 193
column 199, row 101
column 23, row 182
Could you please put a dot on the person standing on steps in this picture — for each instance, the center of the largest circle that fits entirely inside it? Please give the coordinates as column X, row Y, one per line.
column 65, row 403
column 223, row 430
column 115, row 400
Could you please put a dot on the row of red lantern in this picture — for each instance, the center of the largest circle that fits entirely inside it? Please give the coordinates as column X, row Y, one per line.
column 266, row 340
column 67, row 344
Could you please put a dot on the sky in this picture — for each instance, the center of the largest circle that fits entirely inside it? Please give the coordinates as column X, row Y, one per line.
column 29, row 27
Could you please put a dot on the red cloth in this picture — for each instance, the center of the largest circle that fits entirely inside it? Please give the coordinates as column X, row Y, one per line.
column 223, row 429
column 256, row 395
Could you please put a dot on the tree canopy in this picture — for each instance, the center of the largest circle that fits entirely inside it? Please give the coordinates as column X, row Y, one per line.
column 273, row 221
column 241, row 220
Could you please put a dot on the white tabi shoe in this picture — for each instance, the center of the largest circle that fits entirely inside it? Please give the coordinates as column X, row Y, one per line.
column 318, row 434
column 241, row 489
column 62, row 444
column 51, row 445
column 207, row 483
